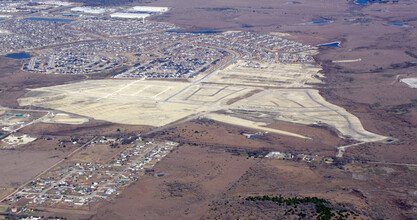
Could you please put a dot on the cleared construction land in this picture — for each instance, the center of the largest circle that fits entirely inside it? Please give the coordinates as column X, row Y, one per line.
column 269, row 74
column 242, row 97
column 62, row 118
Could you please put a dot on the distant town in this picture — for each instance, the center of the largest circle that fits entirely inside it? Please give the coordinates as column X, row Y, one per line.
column 63, row 39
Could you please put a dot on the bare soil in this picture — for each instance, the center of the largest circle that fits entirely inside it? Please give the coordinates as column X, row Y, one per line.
column 194, row 176
column 212, row 133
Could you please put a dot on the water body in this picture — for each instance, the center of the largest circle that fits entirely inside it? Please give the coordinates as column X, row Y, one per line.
column 316, row 22
column 196, row 32
column 365, row 2
column 397, row 24
column 253, row 136
column 18, row 55
column 246, row 26
column 49, row 19
column 71, row 15
column 332, row 44
column 293, row 3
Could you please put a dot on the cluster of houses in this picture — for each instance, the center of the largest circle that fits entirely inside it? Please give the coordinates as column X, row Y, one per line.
column 81, row 183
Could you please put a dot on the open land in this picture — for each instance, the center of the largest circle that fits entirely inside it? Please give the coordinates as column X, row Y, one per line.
column 209, row 110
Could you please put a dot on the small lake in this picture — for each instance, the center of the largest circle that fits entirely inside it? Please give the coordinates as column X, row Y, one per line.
column 365, row 2
column 49, row 19
column 332, row 44
column 18, row 55
column 71, row 15
column 293, row 3
column 316, row 22
column 195, row 32
column 398, row 24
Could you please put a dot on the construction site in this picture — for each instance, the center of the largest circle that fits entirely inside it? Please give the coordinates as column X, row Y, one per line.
column 250, row 97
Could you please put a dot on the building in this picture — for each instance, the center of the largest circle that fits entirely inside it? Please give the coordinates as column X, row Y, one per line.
column 129, row 15
column 151, row 9
column 89, row 10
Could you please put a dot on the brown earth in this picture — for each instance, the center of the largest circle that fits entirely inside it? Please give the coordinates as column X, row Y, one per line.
column 201, row 176
column 92, row 128
column 194, row 176
column 372, row 191
column 213, row 133
column 369, row 88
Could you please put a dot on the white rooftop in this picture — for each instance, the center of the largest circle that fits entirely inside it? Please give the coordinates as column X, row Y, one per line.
column 129, row 15
column 149, row 9
column 411, row 82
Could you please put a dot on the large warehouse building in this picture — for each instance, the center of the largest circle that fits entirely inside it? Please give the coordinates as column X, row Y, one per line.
column 150, row 9
column 129, row 15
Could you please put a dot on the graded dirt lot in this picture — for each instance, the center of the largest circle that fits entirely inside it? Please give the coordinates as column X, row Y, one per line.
column 268, row 75
column 127, row 102
column 62, row 118
column 134, row 102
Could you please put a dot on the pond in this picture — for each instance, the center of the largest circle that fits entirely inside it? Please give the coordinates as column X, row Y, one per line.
column 332, row 44
column 316, row 22
column 196, row 32
column 397, row 24
column 365, row 2
column 49, row 19
column 18, row 55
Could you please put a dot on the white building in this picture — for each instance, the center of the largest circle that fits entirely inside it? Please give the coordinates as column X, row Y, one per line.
column 149, row 9
column 411, row 82
column 129, row 15
column 276, row 154
column 89, row 10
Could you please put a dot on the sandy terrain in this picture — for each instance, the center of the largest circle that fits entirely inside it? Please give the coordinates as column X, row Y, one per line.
column 250, row 124
column 308, row 107
column 146, row 103
column 347, row 61
column 268, row 74
column 117, row 101
column 62, row 118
